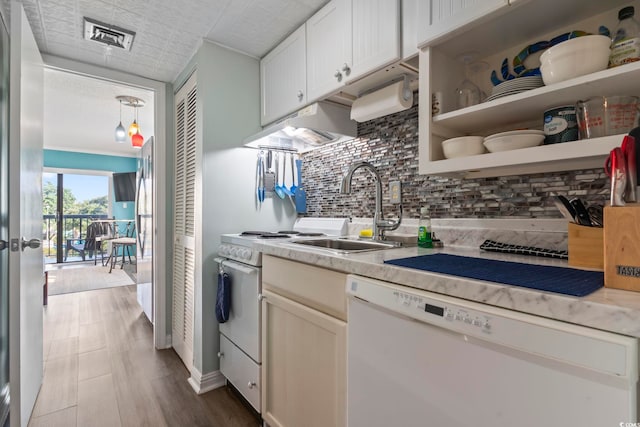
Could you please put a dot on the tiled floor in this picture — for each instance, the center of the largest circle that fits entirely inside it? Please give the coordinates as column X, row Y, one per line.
column 100, row 369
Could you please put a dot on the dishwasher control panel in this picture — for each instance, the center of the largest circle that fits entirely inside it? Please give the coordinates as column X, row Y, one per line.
column 426, row 307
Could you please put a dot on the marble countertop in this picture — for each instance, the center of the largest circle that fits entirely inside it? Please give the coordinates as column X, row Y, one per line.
column 607, row 309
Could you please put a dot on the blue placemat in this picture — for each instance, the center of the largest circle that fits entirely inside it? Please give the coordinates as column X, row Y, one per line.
column 569, row 281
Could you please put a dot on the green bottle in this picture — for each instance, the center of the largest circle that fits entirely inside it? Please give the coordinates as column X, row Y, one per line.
column 424, row 229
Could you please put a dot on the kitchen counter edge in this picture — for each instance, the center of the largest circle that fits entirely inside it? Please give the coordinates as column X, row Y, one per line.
column 607, row 309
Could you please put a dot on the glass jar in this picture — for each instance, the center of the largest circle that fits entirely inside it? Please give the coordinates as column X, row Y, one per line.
column 625, row 42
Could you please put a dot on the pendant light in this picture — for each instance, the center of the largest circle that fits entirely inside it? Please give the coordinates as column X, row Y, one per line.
column 134, row 128
column 137, row 139
column 121, row 134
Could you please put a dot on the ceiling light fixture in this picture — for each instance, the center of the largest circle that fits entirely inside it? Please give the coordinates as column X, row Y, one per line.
column 108, row 34
column 134, row 128
column 121, row 133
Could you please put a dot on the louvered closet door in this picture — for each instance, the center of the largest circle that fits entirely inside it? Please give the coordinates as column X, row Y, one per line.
column 184, row 222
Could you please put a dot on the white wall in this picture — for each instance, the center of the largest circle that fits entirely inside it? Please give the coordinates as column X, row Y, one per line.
column 229, row 96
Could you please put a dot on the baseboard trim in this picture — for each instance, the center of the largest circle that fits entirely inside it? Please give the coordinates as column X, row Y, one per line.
column 207, row 382
column 167, row 343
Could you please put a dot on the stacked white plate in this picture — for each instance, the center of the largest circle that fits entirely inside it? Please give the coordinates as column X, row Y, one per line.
column 517, row 85
column 513, row 140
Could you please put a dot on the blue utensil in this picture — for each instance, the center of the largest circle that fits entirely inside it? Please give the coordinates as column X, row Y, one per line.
column 293, row 175
column 260, row 179
column 287, row 191
column 300, row 195
column 279, row 189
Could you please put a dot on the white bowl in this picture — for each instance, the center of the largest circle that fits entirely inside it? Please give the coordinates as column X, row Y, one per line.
column 574, row 58
column 515, row 132
column 463, row 146
column 513, row 142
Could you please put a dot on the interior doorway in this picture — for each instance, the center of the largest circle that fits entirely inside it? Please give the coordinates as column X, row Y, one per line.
column 90, row 82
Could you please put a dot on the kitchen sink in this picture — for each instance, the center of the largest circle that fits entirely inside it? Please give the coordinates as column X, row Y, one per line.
column 347, row 245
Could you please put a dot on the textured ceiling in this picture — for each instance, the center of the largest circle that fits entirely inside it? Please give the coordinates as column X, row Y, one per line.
column 80, row 113
column 168, row 32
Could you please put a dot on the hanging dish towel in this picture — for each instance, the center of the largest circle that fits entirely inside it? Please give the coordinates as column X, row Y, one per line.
column 223, row 298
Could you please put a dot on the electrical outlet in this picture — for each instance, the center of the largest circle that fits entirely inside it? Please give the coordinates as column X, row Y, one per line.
column 395, row 191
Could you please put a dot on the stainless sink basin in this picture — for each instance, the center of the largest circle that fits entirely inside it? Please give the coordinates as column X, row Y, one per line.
column 347, row 245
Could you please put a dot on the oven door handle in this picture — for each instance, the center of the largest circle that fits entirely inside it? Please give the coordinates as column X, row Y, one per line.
column 236, row 266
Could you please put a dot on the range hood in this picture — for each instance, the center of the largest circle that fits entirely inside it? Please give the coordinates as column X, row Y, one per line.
column 312, row 127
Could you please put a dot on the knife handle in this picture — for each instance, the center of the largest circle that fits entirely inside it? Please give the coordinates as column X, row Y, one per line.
column 582, row 215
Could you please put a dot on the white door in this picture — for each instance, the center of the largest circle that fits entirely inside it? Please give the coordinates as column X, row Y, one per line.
column 328, row 48
column 376, row 35
column 184, row 221
column 4, row 223
column 26, row 265
column 144, row 229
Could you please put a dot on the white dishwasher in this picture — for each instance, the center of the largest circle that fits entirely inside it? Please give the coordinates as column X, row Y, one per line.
column 417, row 358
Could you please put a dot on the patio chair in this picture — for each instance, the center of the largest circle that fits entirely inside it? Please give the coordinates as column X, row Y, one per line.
column 104, row 234
column 89, row 244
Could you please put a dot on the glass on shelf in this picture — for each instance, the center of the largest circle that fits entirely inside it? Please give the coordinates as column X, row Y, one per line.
column 467, row 92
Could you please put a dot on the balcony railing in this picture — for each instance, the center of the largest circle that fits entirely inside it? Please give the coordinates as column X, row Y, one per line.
column 74, row 226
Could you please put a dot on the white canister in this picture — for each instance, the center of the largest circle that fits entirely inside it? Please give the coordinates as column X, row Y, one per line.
column 560, row 124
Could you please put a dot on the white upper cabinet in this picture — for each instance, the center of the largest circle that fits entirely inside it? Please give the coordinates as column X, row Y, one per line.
column 439, row 18
column 283, row 78
column 376, row 35
column 348, row 39
column 409, row 28
column 328, row 48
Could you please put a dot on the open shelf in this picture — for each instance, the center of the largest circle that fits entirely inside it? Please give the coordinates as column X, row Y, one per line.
column 623, row 80
column 502, row 35
column 573, row 155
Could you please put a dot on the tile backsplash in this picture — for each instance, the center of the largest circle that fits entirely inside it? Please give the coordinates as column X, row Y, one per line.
column 391, row 144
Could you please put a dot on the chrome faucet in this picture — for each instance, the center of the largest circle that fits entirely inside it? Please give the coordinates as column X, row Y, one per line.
column 379, row 223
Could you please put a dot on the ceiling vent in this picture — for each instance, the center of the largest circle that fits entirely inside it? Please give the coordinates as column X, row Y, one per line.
column 108, row 34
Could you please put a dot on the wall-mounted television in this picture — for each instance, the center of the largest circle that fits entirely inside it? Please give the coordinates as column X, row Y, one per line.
column 124, row 186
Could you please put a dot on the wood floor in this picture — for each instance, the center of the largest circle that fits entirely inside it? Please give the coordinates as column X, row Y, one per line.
column 100, row 369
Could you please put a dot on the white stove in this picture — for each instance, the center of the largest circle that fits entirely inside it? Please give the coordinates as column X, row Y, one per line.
column 240, row 258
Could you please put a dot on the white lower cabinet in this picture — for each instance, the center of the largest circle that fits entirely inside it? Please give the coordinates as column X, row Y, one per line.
column 241, row 371
column 304, row 345
column 304, row 361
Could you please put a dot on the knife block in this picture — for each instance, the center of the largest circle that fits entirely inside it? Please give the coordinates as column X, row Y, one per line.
column 586, row 247
column 622, row 247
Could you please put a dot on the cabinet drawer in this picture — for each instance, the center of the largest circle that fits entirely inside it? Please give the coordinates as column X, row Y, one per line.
column 315, row 287
column 241, row 371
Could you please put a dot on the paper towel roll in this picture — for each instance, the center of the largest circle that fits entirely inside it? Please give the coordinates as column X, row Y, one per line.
column 387, row 100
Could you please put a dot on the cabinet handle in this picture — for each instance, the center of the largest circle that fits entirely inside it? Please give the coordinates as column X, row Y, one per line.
column 300, row 95
column 220, row 355
column 338, row 75
column 261, row 297
column 346, row 69
column 251, row 384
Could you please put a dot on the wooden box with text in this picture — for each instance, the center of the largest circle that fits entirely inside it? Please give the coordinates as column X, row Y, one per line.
column 622, row 247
